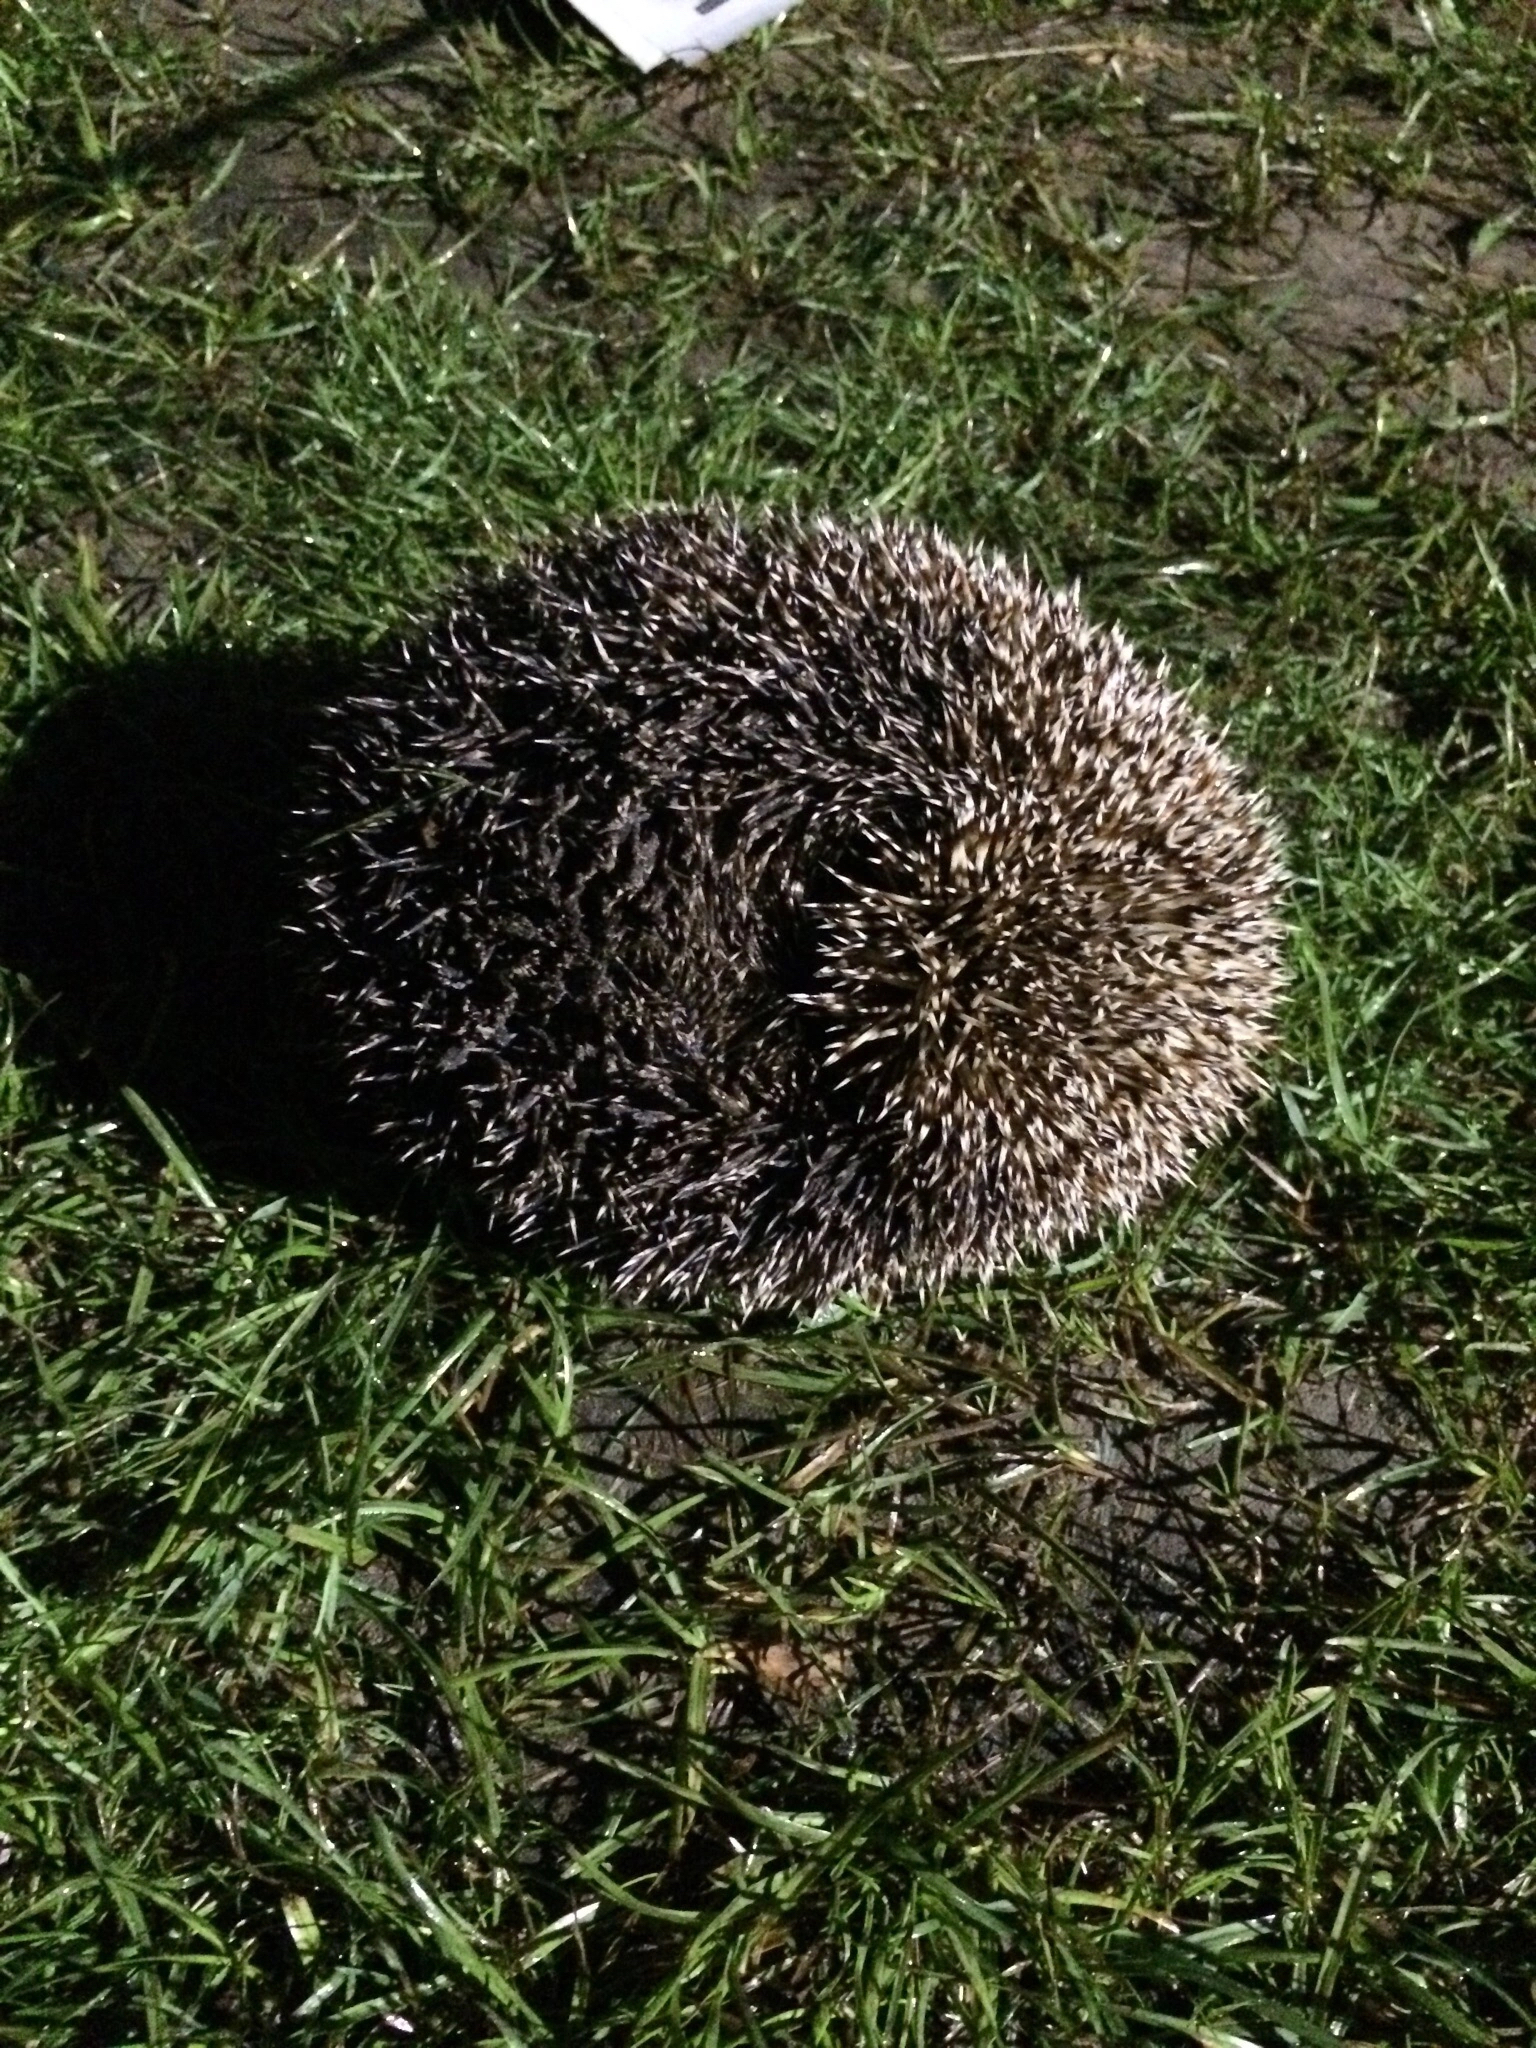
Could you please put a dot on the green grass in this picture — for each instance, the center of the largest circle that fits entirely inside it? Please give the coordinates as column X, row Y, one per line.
column 397, row 1645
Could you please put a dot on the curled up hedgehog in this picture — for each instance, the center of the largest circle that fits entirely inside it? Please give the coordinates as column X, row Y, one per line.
column 776, row 908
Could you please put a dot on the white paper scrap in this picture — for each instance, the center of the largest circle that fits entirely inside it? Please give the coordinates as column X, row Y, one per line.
column 648, row 31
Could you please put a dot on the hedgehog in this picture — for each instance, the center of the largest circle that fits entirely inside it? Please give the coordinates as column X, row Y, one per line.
column 778, row 909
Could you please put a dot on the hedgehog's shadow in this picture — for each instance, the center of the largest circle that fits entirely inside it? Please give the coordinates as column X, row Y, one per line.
column 142, row 895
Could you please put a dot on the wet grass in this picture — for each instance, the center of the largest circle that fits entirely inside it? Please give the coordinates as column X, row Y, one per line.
column 399, row 1645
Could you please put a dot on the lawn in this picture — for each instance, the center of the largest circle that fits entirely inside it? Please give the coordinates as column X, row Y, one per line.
column 398, row 1644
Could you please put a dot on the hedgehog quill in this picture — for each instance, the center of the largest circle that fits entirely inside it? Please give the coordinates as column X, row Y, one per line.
column 774, row 908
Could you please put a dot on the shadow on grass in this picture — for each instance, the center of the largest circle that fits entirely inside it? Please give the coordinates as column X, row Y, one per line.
column 543, row 28
column 143, row 896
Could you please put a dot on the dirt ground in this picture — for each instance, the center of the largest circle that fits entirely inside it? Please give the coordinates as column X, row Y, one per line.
column 1332, row 279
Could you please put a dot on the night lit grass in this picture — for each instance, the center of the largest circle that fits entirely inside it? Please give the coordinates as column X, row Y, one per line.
column 397, row 1644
